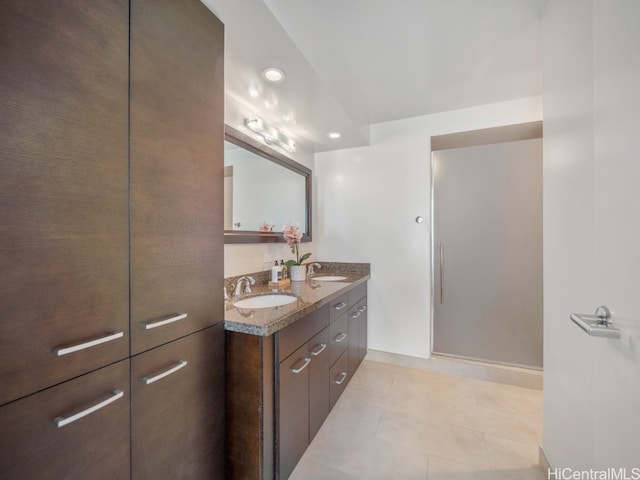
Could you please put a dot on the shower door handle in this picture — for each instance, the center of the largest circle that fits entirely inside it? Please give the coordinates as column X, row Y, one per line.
column 441, row 271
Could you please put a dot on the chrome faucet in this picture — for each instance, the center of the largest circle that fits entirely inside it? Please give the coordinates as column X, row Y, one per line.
column 247, row 289
column 310, row 272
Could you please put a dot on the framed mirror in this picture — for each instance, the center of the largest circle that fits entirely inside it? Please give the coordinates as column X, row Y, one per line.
column 263, row 191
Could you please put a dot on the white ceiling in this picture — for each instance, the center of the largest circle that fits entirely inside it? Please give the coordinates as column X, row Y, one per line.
column 353, row 63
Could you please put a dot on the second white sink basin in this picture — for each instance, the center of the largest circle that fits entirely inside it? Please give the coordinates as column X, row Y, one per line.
column 329, row 278
column 265, row 301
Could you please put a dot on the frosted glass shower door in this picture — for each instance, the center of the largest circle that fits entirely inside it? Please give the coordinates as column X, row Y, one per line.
column 487, row 252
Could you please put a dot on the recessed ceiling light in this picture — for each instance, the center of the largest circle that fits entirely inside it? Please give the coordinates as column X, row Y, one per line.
column 273, row 74
column 334, row 135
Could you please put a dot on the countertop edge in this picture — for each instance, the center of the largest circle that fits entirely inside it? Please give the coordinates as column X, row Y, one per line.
column 286, row 320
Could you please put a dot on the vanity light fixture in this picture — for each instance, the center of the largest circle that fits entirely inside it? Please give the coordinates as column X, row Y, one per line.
column 334, row 135
column 270, row 134
column 273, row 74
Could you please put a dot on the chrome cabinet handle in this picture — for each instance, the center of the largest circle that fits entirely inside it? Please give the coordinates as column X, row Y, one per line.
column 322, row 346
column 362, row 308
column 340, row 337
column 62, row 421
column 306, row 363
column 356, row 314
column 340, row 306
column 59, row 351
column 441, row 272
column 343, row 375
column 163, row 321
column 148, row 380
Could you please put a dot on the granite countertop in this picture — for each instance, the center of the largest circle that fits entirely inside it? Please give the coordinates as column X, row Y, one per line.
column 311, row 295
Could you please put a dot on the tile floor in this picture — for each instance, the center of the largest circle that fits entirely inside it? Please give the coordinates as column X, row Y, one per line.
column 399, row 423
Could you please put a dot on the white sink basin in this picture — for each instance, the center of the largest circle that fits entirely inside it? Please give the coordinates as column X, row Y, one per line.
column 329, row 278
column 265, row 301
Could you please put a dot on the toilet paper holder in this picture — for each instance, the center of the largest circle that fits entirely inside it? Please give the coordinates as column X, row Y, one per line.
column 598, row 325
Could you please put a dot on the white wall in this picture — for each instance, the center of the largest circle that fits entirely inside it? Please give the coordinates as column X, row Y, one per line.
column 367, row 201
column 246, row 258
column 591, row 231
column 568, row 229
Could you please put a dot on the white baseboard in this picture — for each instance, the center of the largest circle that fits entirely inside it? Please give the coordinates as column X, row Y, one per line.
column 543, row 461
column 519, row 377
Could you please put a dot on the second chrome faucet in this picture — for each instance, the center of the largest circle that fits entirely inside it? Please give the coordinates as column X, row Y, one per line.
column 248, row 281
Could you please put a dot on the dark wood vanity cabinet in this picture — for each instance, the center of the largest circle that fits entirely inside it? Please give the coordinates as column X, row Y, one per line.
column 280, row 388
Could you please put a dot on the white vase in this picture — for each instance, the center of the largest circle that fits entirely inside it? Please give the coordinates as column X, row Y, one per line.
column 297, row 273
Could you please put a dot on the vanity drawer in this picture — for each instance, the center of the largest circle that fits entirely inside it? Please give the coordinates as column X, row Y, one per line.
column 338, row 306
column 338, row 338
column 339, row 377
column 290, row 338
column 357, row 293
column 358, row 308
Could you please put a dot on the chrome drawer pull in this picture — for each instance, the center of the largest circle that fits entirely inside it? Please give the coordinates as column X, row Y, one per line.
column 356, row 314
column 340, row 306
column 148, row 380
column 341, row 337
column 322, row 346
column 62, row 421
column 306, row 363
column 343, row 375
column 91, row 343
column 362, row 308
column 164, row 321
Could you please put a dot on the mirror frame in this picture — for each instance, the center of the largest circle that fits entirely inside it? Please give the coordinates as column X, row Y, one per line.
column 249, row 143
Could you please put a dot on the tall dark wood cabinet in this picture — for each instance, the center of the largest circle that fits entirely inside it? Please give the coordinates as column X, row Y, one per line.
column 177, row 135
column 111, row 240
column 64, row 280
column 177, row 256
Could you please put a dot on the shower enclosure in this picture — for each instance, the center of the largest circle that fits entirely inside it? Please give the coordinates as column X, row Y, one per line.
column 487, row 252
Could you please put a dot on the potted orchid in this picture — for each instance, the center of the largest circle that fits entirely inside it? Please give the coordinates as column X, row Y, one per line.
column 292, row 235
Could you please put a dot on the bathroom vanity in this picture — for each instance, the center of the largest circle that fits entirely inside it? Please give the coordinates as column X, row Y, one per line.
column 287, row 366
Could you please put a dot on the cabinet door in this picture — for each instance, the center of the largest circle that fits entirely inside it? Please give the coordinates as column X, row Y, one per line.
column 318, row 381
column 339, row 377
column 177, row 105
column 45, row 436
column 362, row 330
column 354, row 341
column 63, row 190
column 293, row 410
column 177, row 409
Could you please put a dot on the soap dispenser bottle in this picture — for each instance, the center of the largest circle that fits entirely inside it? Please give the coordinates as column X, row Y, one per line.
column 276, row 272
column 285, row 272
